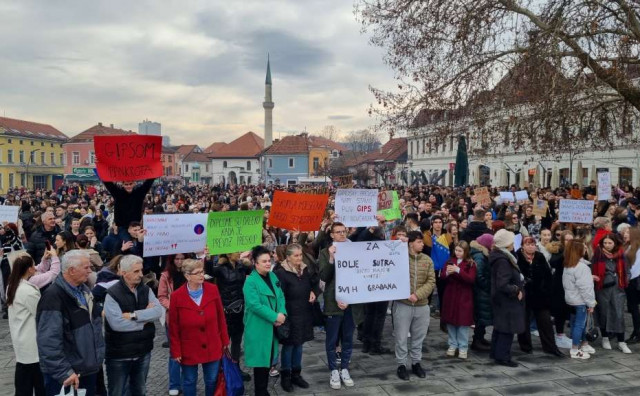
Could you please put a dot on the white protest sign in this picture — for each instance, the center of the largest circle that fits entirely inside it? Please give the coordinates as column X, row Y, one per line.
column 506, row 196
column 522, row 195
column 174, row 233
column 576, row 211
column 604, row 186
column 372, row 271
column 9, row 213
column 517, row 242
column 357, row 207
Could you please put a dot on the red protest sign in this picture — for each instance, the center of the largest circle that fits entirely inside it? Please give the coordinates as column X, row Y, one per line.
column 128, row 157
column 295, row 211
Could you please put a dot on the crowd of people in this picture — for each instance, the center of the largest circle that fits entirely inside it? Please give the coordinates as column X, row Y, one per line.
column 83, row 303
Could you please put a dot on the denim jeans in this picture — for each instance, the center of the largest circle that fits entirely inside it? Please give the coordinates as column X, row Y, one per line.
column 291, row 357
column 190, row 378
column 52, row 386
column 458, row 337
column 132, row 372
column 578, row 324
column 175, row 375
column 333, row 326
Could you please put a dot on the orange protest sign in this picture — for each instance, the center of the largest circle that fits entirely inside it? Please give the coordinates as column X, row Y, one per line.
column 294, row 211
column 128, row 157
column 482, row 196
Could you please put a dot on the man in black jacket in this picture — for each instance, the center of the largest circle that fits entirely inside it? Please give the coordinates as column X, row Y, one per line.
column 476, row 227
column 45, row 233
column 128, row 202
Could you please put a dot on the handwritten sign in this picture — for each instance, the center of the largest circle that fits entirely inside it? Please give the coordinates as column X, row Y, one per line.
column 391, row 212
column 230, row 232
column 294, row 211
column 506, row 196
column 128, row 157
column 540, row 207
column 604, row 186
column 9, row 213
column 174, row 233
column 482, row 196
column 372, row 271
column 357, row 207
column 576, row 211
column 345, row 181
column 522, row 195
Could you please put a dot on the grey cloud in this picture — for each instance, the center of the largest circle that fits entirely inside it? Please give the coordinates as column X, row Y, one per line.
column 339, row 117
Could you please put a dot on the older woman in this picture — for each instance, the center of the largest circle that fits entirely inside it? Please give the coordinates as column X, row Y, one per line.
column 300, row 290
column 197, row 328
column 264, row 310
column 507, row 298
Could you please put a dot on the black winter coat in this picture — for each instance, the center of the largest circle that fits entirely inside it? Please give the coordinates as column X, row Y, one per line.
column 474, row 230
column 230, row 281
column 296, row 294
column 37, row 243
column 538, row 281
column 483, row 313
column 559, row 307
column 506, row 283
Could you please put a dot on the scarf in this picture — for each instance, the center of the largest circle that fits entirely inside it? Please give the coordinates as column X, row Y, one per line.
column 510, row 256
column 599, row 267
column 195, row 294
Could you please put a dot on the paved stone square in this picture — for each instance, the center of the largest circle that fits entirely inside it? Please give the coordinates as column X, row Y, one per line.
column 607, row 373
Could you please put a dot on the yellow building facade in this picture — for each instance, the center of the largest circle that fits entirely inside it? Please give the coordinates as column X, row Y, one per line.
column 31, row 155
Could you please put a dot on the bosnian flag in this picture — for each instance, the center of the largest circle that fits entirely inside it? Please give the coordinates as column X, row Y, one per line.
column 439, row 252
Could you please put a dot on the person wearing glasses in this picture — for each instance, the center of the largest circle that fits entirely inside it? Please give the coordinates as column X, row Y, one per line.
column 197, row 328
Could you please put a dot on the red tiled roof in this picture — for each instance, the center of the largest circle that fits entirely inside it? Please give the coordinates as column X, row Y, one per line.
column 215, row 146
column 246, row 146
column 297, row 144
column 318, row 141
column 186, row 149
column 168, row 150
column 393, row 150
column 195, row 157
column 28, row 129
column 99, row 130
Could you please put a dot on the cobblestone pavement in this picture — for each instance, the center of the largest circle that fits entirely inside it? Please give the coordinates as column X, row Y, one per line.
column 606, row 373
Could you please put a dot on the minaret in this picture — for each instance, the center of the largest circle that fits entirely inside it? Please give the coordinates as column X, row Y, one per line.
column 268, row 108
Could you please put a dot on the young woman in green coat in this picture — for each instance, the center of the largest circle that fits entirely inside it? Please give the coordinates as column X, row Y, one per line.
column 264, row 311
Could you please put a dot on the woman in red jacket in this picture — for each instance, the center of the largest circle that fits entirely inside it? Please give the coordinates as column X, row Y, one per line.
column 457, row 303
column 198, row 331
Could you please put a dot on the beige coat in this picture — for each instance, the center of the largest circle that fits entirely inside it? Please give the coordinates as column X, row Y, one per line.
column 22, row 323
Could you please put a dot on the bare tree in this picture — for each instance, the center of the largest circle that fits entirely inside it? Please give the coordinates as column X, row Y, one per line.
column 330, row 132
column 550, row 74
column 363, row 141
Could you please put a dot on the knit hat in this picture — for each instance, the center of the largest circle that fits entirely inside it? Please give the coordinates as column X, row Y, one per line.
column 485, row 240
column 497, row 225
column 503, row 238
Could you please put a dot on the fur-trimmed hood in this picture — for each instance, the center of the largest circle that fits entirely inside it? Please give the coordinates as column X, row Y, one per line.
column 553, row 247
column 477, row 246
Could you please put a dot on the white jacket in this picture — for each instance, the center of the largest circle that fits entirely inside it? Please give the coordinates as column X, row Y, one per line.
column 578, row 285
column 22, row 323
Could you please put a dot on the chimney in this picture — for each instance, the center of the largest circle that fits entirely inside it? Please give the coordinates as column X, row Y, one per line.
column 99, row 124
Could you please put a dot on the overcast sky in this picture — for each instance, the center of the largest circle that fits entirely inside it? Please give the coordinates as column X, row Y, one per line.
column 197, row 67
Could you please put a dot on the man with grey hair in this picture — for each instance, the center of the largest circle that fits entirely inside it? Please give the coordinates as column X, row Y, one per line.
column 70, row 342
column 47, row 232
column 130, row 309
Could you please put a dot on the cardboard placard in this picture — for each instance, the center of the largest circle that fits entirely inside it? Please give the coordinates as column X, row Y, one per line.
column 576, row 211
column 540, row 207
column 393, row 212
column 231, row 232
column 9, row 213
column 174, row 233
column 356, row 207
column 604, row 186
column 128, row 157
column 372, row 271
column 482, row 196
column 295, row 211
column 345, row 181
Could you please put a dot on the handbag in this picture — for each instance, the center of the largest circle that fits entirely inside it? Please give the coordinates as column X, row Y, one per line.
column 72, row 392
column 232, row 376
column 283, row 331
column 590, row 331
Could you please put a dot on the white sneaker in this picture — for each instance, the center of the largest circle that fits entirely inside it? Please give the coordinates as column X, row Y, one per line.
column 174, row 392
column 334, row 382
column 462, row 354
column 623, row 347
column 535, row 333
column 346, row 378
column 606, row 344
column 588, row 349
column 578, row 354
column 451, row 352
column 562, row 341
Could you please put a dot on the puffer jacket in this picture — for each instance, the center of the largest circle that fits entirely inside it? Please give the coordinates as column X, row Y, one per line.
column 483, row 313
column 422, row 278
column 578, row 285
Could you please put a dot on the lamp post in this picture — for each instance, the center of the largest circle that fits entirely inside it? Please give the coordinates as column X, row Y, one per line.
column 27, row 166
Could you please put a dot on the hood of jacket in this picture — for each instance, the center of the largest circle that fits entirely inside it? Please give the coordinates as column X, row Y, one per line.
column 553, row 247
column 477, row 246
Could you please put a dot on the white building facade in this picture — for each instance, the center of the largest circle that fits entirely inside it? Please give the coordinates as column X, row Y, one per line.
column 234, row 171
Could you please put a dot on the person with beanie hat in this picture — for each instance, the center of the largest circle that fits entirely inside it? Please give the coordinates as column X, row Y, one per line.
column 507, row 297
column 482, row 311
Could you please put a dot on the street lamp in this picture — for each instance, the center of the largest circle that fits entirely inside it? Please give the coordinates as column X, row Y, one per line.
column 27, row 166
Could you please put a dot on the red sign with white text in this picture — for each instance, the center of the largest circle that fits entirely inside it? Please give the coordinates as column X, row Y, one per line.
column 128, row 157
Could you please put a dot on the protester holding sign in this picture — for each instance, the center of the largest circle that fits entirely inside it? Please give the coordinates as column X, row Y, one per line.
column 412, row 315
column 128, row 203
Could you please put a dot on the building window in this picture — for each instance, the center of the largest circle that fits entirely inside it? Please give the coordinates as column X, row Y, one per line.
column 53, row 158
column 42, row 144
column 451, row 143
column 21, row 157
column 92, row 157
column 316, row 164
column 40, row 182
column 423, row 145
column 1, row 181
column 0, row 156
column 75, row 159
column 23, row 180
column 51, row 145
column 186, row 167
column 206, row 167
column 248, row 179
column 248, row 165
column 224, row 164
column 32, row 142
column 291, row 162
column 9, row 140
column 21, row 141
column 11, row 180
column 411, row 148
column 42, row 158
column 63, row 159
column 10, row 156
column 625, row 176
column 270, row 163
column 435, row 144
column 32, row 157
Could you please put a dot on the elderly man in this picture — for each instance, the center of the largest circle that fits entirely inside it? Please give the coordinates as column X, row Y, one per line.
column 130, row 309
column 70, row 343
column 45, row 233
